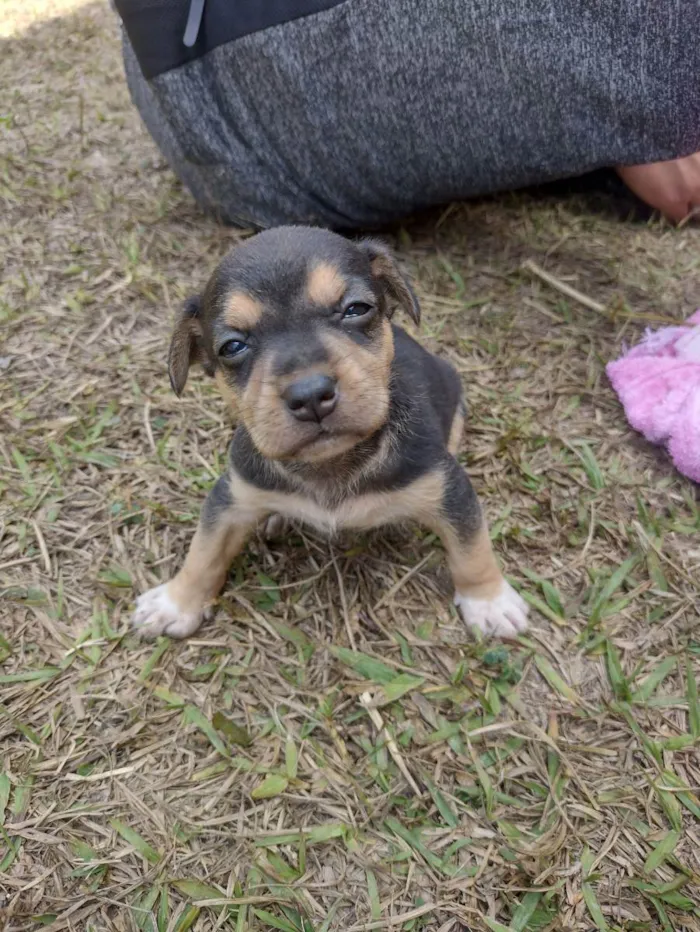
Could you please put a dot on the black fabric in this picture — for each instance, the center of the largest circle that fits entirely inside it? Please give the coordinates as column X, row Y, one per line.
column 156, row 28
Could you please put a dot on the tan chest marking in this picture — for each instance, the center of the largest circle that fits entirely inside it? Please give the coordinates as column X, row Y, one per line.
column 419, row 501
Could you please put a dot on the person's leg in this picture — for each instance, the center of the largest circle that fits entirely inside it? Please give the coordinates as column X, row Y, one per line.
column 454, row 99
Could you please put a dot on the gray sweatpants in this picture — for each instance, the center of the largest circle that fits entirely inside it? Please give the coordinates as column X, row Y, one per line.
column 362, row 113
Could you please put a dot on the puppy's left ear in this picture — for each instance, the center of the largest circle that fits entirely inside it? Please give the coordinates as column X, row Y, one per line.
column 386, row 272
column 186, row 345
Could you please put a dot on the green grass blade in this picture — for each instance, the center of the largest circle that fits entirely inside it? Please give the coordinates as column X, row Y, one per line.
column 187, row 919
column 692, row 694
column 138, row 842
column 272, row 785
column 554, row 680
column 373, row 895
column 495, row 925
column 443, row 807
column 149, row 666
column 523, row 913
column 291, row 758
column 5, row 790
column 232, row 731
column 368, row 667
column 661, row 851
column 596, row 913
column 618, row 680
column 195, row 716
column 274, row 922
column 651, row 683
column 194, row 890
column 610, row 588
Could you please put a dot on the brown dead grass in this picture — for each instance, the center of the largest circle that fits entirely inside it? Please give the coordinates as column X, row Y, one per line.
column 240, row 781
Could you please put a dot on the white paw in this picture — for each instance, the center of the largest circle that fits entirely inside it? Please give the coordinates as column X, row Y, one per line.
column 156, row 613
column 503, row 617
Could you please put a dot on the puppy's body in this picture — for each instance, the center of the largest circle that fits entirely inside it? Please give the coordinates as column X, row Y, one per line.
column 346, row 421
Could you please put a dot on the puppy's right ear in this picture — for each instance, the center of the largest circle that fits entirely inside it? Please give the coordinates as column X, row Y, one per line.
column 185, row 345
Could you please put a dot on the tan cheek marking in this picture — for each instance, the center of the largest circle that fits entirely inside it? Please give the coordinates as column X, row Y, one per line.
column 256, row 395
column 229, row 394
column 387, row 345
column 456, row 431
column 262, row 411
column 242, row 312
column 325, row 285
column 363, row 376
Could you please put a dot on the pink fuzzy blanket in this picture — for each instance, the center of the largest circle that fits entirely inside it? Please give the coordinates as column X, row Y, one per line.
column 658, row 383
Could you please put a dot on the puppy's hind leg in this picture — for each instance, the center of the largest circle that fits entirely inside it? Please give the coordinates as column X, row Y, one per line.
column 177, row 608
column 485, row 600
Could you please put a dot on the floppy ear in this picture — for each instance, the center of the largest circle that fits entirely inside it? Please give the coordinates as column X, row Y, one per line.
column 185, row 345
column 386, row 271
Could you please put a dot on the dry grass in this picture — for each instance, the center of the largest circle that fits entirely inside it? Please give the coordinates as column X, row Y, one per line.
column 262, row 776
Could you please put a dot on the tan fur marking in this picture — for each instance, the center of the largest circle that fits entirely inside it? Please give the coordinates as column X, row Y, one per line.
column 262, row 410
column 386, row 347
column 363, row 376
column 242, row 311
column 325, row 285
column 211, row 552
column 456, row 430
column 227, row 393
column 420, row 501
column 363, row 384
column 473, row 564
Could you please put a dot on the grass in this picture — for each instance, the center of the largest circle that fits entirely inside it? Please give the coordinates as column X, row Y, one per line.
column 332, row 752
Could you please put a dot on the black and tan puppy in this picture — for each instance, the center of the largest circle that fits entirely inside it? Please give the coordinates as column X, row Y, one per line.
column 344, row 420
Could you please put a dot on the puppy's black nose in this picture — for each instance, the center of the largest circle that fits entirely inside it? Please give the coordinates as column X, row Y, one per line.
column 311, row 398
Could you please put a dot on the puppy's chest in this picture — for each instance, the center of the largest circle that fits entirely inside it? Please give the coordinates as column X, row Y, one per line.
column 358, row 511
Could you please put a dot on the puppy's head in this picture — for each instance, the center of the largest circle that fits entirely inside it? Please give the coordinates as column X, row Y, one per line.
column 294, row 325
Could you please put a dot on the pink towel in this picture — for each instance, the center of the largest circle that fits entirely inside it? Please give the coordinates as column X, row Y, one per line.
column 658, row 383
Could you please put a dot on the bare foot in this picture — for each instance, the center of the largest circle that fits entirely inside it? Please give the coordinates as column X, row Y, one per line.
column 671, row 187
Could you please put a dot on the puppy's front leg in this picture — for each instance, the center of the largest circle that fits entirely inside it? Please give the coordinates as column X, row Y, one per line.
column 177, row 608
column 484, row 598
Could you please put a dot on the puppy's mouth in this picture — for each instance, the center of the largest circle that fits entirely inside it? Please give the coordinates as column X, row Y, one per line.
column 323, row 443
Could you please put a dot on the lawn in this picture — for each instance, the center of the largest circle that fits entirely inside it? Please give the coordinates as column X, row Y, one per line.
column 333, row 752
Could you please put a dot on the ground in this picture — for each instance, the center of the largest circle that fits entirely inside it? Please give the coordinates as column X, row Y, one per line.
column 332, row 751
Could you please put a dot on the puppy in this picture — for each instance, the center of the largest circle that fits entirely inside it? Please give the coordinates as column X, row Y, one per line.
column 345, row 421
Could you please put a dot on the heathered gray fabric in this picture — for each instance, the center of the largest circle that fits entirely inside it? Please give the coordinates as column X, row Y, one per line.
column 361, row 114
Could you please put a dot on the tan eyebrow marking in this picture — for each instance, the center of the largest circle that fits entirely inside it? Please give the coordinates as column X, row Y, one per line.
column 242, row 312
column 325, row 285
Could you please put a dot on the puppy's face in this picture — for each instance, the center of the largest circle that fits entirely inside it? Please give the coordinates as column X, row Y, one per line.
column 294, row 326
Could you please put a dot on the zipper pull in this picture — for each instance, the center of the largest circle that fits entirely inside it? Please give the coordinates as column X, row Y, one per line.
column 194, row 21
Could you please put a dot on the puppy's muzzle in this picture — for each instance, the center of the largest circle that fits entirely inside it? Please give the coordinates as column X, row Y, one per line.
column 311, row 398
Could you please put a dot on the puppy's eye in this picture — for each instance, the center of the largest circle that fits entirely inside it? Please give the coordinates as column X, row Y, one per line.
column 232, row 348
column 358, row 309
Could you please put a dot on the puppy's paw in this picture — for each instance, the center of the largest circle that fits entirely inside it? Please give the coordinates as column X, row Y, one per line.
column 274, row 527
column 505, row 616
column 157, row 613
